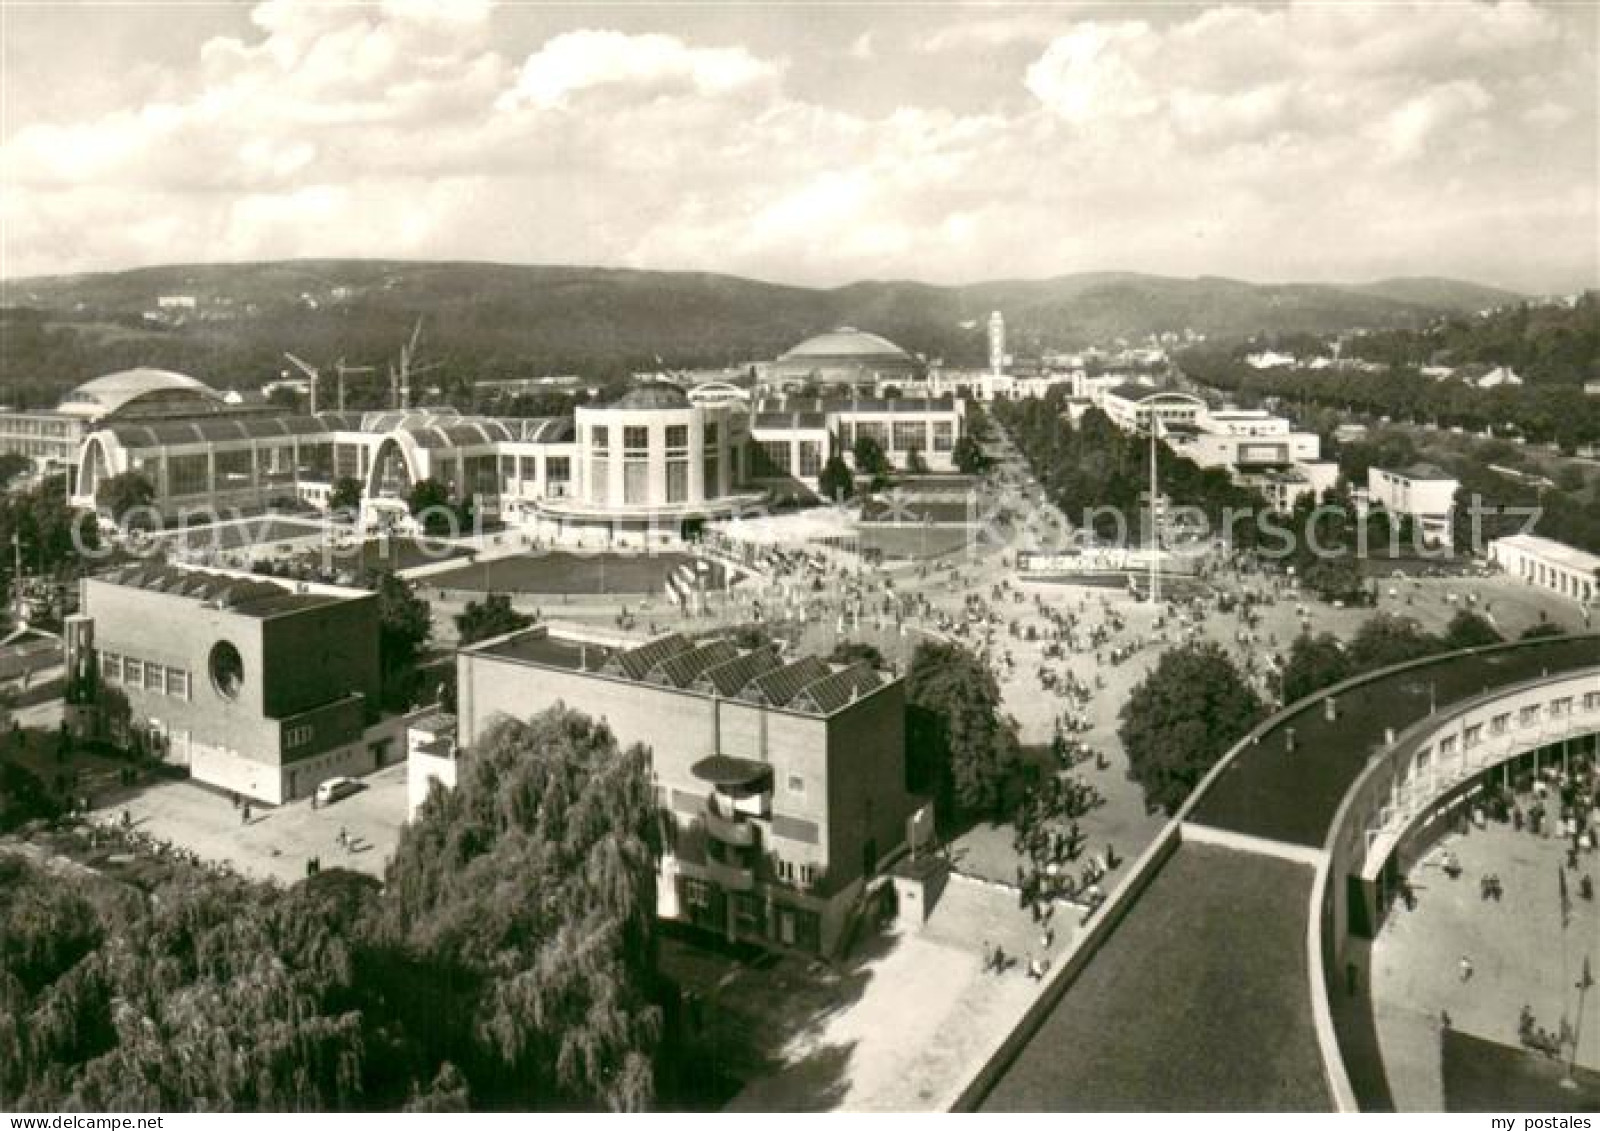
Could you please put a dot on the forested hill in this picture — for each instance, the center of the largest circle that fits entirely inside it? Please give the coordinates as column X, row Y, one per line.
column 1555, row 344
column 490, row 320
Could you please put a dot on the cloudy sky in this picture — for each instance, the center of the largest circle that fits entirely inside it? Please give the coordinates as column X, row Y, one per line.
column 811, row 143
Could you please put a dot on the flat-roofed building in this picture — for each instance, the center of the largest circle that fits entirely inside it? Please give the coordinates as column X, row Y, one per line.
column 1133, row 407
column 257, row 686
column 1548, row 564
column 793, row 437
column 784, row 778
column 1422, row 492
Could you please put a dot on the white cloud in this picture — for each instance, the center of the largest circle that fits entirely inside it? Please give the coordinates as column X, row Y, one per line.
column 1314, row 141
column 584, row 60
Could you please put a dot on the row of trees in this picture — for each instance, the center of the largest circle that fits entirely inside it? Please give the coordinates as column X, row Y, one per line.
column 1098, row 467
column 508, row 961
column 1195, row 704
column 1543, row 412
column 1322, row 660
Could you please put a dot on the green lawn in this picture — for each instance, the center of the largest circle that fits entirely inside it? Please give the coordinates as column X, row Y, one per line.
column 562, row 572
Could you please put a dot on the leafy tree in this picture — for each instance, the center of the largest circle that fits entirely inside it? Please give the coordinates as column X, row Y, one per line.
column 493, row 616
column 751, row 636
column 1314, row 662
column 54, row 537
column 871, row 460
column 1181, row 719
column 836, row 481
column 123, row 493
column 430, row 502
column 11, row 466
column 1542, row 629
column 1388, row 639
column 405, row 622
column 915, row 464
column 345, row 498
column 287, row 397
column 1336, row 579
column 534, row 882
column 1469, row 630
column 968, row 456
column 960, row 745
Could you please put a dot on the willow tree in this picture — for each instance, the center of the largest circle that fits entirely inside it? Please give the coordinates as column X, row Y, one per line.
column 534, row 882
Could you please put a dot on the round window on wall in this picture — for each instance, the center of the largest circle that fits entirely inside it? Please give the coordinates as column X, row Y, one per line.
column 227, row 669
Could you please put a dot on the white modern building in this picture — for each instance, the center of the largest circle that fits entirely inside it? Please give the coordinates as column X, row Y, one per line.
column 1259, row 450
column 1547, row 564
column 1134, row 407
column 1422, row 492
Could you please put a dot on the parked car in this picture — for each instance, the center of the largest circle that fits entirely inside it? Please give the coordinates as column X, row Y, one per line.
column 335, row 788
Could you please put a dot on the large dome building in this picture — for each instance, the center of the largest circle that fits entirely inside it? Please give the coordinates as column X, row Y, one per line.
column 845, row 356
column 142, row 393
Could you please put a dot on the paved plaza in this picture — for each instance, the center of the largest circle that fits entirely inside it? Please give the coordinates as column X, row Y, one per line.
column 1519, row 952
column 898, row 1027
column 275, row 843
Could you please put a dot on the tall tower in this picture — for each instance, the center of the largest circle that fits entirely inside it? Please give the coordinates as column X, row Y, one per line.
column 997, row 343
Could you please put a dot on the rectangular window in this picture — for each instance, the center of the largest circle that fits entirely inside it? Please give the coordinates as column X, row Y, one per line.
column 1528, row 716
column 111, row 666
column 600, row 481
column 797, row 784
column 133, row 672
column 709, row 475
column 1447, row 745
column 677, row 481
column 1591, row 701
column 874, row 428
column 810, row 458
column 677, row 435
column 558, row 469
column 600, row 438
column 297, row 737
column 234, row 469
column 1498, row 724
column 1472, row 736
column 187, row 475
column 710, row 433
column 636, row 483
column 529, row 469
column 636, row 438
column 944, row 436
column 775, row 456
column 177, row 683
column 908, row 435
